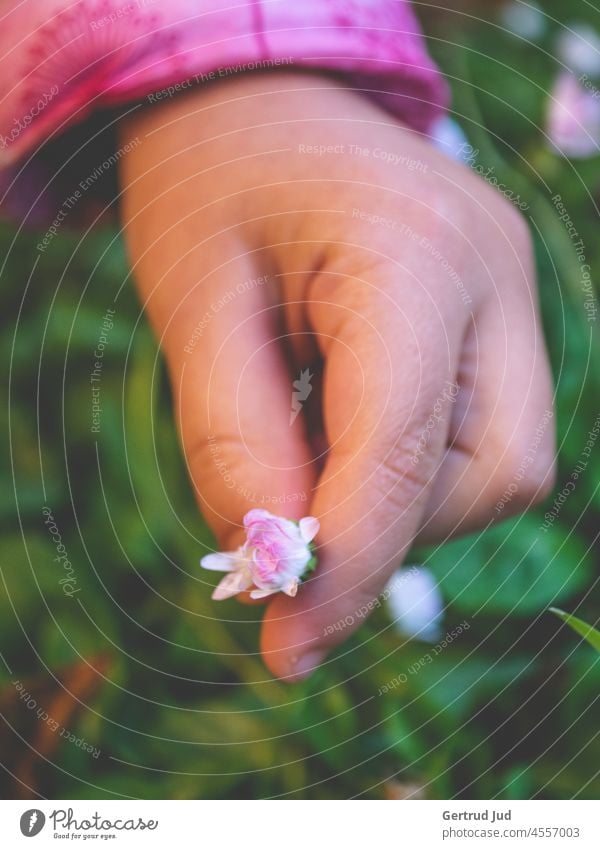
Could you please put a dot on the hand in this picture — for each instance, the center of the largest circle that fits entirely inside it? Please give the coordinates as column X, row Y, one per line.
column 278, row 223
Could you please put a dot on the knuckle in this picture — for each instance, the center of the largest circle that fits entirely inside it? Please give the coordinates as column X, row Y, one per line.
column 399, row 467
column 352, row 296
column 405, row 471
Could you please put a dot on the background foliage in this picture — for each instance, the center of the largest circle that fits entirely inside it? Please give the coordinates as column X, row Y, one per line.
column 138, row 665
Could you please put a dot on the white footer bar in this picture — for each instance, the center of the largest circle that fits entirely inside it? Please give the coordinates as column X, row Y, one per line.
column 291, row 825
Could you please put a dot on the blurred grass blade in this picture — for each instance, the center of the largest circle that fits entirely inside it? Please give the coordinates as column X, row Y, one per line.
column 582, row 628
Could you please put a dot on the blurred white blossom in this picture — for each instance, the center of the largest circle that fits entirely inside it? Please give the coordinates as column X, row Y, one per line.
column 524, row 19
column 416, row 605
column 578, row 47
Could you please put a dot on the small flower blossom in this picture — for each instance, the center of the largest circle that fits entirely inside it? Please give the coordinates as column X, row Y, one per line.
column 578, row 48
column 525, row 20
column 277, row 555
column 416, row 604
column 574, row 118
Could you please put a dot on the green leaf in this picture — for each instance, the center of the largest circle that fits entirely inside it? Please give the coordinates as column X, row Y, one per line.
column 514, row 568
column 589, row 633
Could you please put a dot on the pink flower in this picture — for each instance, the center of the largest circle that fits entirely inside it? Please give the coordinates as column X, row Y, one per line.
column 574, row 117
column 276, row 556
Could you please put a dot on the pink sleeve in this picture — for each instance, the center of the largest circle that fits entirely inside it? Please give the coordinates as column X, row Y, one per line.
column 61, row 61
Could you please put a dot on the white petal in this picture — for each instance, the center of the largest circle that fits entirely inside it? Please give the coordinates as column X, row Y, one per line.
column 232, row 584
column 262, row 593
column 309, row 528
column 291, row 589
column 221, row 561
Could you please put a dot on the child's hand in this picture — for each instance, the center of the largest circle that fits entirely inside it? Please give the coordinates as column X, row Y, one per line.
column 401, row 270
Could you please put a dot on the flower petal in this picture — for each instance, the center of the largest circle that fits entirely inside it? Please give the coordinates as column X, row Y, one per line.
column 232, row 584
column 221, row 561
column 262, row 593
column 309, row 528
column 256, row 515
column 291, row 589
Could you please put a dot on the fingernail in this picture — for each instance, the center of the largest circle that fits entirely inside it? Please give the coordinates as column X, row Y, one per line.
column 306, row 664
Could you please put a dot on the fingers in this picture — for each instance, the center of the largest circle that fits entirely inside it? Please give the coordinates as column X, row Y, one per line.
column 501, row 454
column 386, row 416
